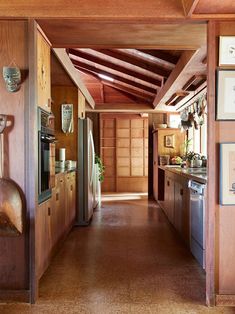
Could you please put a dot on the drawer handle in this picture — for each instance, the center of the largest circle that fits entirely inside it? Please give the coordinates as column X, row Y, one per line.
column 61, row 181
column 71, row 188
column 181, row 192
column 49, row 211
column 57, row 196
column 168, row 183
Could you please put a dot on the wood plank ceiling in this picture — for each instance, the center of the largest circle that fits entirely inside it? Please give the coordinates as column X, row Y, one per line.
column 134, row 72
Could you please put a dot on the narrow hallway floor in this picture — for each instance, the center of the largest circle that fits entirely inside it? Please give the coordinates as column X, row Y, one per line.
column 129, row 260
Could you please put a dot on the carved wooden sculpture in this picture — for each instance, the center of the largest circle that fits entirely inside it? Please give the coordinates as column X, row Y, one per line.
column 11, row 211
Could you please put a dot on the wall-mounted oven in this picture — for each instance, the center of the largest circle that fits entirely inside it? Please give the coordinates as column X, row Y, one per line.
column 45, row 138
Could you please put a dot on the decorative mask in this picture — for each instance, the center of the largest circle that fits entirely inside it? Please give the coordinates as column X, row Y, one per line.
column 12, row 78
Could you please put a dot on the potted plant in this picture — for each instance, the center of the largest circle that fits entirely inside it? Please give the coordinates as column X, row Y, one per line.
column 101, row 167
column 188, row 158
column 100, row 170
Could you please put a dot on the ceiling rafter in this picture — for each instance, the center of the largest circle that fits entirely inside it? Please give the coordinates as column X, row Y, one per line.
column 164, row 57
column 118, row 68
column 81, row 65
column 137, row 61
column 189, row 6
column 124, row 89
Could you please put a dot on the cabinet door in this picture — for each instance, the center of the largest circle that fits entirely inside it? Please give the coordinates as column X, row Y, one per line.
column 62, row 202
column 43, row 73
column 178, row 213
column 167, row 195
column 155, row 166
column 56, row 216
column 43, row 237
column 73, row 196
column 171, row 203
column 185, row 213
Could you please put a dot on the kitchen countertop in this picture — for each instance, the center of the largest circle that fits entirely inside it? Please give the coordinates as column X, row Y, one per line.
column 196, row 174
column 64, row 170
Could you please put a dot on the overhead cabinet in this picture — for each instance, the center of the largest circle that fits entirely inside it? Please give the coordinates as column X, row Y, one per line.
column 43, row 72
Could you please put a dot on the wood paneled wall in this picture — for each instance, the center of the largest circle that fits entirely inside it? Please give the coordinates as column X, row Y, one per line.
column 63, row 95
column 220, row 218
column 14, row 252
column 179, row 139
column 124, row 150
column 64, row 91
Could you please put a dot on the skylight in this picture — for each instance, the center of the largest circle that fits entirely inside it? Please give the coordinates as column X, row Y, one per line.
column 105, row 77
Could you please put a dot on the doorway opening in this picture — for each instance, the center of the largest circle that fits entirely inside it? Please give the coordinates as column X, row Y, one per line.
column 126, row 120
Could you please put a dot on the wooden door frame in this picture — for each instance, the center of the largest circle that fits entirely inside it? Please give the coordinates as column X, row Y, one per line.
column 32, row 175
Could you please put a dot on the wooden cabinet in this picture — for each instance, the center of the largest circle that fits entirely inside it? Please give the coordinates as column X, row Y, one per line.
column 169, row 197
column 70, row 207
column 155, row 166
column 43, row 73
column 43, row 236
column 178, row 210
column 54, row 219
column 176, row 203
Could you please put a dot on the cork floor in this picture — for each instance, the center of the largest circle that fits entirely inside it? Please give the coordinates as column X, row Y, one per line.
column 129, row 260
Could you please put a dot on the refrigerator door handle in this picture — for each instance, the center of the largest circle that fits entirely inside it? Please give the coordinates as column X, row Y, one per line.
column 93, row 158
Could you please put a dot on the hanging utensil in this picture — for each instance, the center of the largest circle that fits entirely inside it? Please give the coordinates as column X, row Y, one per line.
column 11, row 208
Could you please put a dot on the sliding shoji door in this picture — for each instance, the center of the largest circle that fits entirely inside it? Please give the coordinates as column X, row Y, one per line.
column 129, row 169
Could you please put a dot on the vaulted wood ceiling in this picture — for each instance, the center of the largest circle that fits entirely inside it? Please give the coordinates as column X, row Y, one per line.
column 139, row 73
column 154, row 77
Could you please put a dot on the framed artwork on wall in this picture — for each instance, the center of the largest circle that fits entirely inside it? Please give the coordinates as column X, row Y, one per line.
column 227, row 50
column 225, row 104
column 227, row 173
column 169, row 141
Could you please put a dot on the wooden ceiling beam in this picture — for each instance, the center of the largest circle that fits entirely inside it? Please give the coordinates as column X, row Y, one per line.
column 189, row 6
column 67, row 64
column 80, row 65
column 118, row 68
column 123, row 107
column 166, row 58
column 127, row 90
column 175, row 74
column 135, row 60
column 90, row 8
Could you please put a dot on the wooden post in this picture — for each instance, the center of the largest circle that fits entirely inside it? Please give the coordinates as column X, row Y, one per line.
column 211, row 186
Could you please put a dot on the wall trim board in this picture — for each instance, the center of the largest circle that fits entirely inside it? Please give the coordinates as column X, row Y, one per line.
column 225, row 299
column 31, row 140
column 211, row 185
column 15, row 295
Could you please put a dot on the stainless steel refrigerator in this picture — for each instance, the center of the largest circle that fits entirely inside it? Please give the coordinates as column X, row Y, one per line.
column 86, row 168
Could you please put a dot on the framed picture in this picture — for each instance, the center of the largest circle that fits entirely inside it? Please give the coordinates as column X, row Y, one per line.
column 225, row 107
column 169, row 141
column 227, row 51
column 227, row 173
